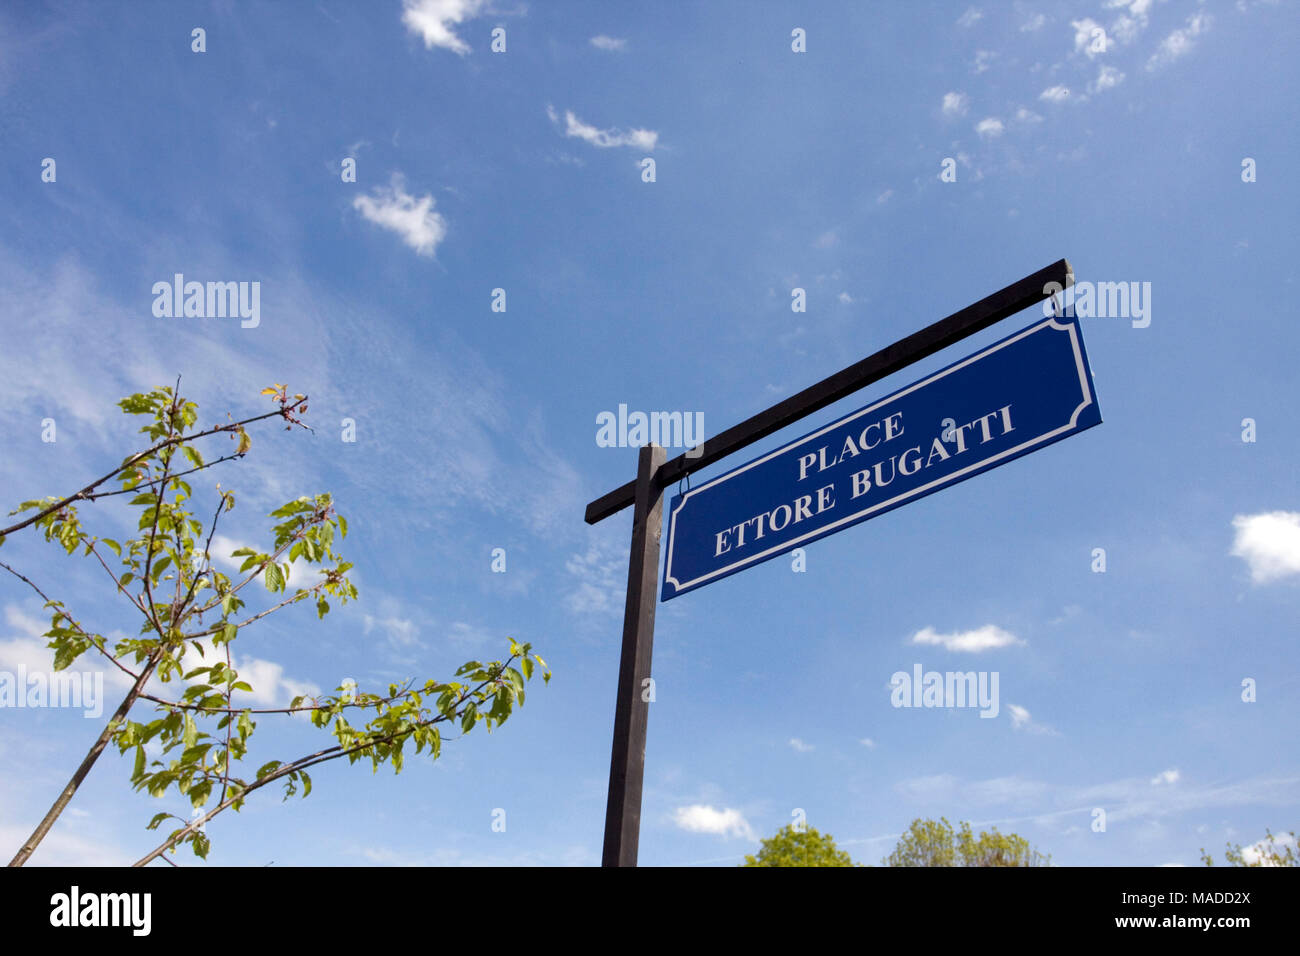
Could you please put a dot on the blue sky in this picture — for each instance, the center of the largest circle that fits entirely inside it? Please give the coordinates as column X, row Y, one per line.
column 476, row 429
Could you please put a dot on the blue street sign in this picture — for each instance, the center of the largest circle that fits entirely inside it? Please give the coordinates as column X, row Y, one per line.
column 1014, row 397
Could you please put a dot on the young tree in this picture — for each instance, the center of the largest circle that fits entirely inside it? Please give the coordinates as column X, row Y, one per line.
column 799, row 847
column 1273, row 850
column 191, row 613
column 934, row 843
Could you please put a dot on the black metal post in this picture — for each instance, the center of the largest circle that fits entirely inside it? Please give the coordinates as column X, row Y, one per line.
column 632, row 711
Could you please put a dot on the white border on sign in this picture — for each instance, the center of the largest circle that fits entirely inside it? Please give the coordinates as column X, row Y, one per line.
column 1050, row 323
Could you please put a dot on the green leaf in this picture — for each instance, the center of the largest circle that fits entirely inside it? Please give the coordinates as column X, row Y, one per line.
column 159, row 567
column 109, row 542
column 157, row 819
column 273, row 578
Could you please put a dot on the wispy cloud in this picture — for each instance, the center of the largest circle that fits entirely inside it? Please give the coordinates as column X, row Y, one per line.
column 1055, row 94
column 989, row 127
column 1089, row 37
column 414, row 220
column 604, row 138
column 971, row 17
column 1179, row 43
column 400, row 631
column 986, row 638
column 1108, row 77
column 798, row 746
column 611, row 44
column 1166, row 777
column 955, row 103
column 701, row 818
column 435, row 20
column 1132, row 21
column 599, row 575
column 1021, row 719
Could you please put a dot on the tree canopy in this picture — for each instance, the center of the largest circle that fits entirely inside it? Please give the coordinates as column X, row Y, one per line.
column 1273, row 850
column 802, row 846
column 935, row 843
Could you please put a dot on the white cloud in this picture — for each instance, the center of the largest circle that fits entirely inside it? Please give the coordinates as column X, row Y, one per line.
column 1055, row 94
column 601, row 574
column 1269, row 543
column 434, row 21
column 603, row 42
column 799, row 746
column 1107, row 78
column 982, row 60
column 465, row 635
column 845, row 299
column 1087, row 39
column 64, row 847
column 884, row 197
column 1021, row 719
column 955, row 103
column 400, row 631
column 1165, row 777
column 827, row 239
column 868, row 743
column 984, row 638
column 989, row 127
column 1180, row 42
column 1131, row 22
column 1137, row 8
column 270, row 686
column 637, row 138
column 222, row 549
column 414, row 220
column 1034, row 23
column 970, row 17
column 699, row 818
column 1027, row 116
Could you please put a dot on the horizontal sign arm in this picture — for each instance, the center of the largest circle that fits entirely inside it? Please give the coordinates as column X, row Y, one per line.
column 994, row 308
